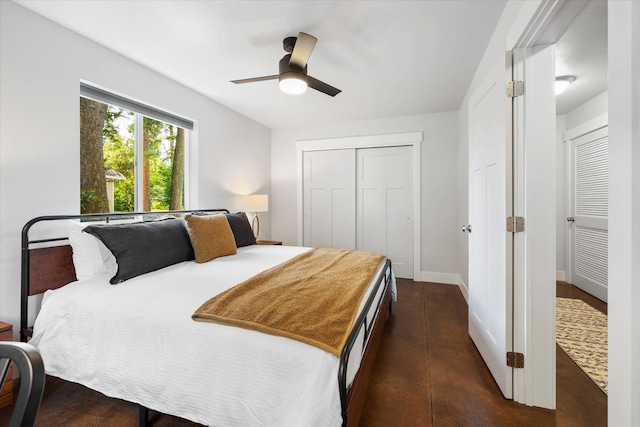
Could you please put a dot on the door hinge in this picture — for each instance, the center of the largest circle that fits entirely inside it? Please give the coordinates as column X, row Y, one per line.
column 515, row 224
column 515, row 88
column 515, row 360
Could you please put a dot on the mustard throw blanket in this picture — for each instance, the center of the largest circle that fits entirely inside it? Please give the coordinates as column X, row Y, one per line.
column 313, row 298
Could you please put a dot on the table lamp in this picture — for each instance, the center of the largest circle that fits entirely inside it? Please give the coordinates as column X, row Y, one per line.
column 256, row 203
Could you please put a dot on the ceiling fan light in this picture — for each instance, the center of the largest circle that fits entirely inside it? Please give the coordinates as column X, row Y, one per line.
column 292, row 84
column 562, row 83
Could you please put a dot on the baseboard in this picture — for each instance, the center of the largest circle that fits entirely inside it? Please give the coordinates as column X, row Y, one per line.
column 595, row 289
column 561, row 275
column 435, row 277
column 447, row 279
column 464, row 289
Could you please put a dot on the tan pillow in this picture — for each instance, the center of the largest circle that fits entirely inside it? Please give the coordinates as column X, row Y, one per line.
column 211, row 236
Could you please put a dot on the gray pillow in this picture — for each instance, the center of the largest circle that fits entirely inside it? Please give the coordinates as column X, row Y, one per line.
column 141, row 247
column 241, row 228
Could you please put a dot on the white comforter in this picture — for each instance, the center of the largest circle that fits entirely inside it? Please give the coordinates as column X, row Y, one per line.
column 136, row 341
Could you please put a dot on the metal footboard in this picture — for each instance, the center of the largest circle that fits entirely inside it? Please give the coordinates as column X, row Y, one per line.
column 361, row 322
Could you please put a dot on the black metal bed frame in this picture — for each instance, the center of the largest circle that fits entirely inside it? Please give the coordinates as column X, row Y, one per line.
column 383, row 280
column 361, row 322
column 25, row 330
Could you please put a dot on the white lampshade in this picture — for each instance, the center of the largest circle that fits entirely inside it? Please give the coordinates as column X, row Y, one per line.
column 256, row 203
column 292, row 85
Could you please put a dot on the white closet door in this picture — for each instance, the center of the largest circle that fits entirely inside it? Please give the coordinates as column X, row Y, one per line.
column 329, row 198
column 385, row 205
column 590, row 164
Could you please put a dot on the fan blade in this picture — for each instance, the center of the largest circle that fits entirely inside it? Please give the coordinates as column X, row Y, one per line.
column 255, row 79
column 322, row 86
column 302, row 50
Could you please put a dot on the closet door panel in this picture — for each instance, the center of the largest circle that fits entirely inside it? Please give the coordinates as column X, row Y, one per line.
column 372, row 224
column 319, row 202
column 385, row 205
column 396, row 225
column 329, row 198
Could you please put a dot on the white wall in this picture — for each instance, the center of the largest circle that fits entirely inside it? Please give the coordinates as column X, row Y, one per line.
column 41, row 65
column 439, row 181
column 624, row 213
column 495, row 49
column 593, row 108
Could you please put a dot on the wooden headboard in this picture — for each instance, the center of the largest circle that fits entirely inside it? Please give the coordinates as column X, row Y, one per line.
column 52, row 267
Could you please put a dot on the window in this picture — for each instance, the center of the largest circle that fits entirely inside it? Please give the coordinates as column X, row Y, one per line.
column 132, row 157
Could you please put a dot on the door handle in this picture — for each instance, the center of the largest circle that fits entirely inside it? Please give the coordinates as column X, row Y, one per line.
column 466, row 228
column 570, row 219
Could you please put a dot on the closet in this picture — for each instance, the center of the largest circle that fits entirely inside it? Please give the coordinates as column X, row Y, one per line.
column 361, row 198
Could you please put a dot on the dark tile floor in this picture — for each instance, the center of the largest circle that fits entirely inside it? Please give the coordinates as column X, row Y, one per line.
column 427, row 352
column 427, row 373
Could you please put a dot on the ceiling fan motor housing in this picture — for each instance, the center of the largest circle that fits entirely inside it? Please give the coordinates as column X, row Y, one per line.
column 288, row 70
column 288, row 44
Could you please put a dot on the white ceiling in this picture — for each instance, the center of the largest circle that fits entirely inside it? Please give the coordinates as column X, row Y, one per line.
column 582, row 52
column 390, row 58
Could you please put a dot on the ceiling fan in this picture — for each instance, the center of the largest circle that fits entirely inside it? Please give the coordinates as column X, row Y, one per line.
column 293, row 75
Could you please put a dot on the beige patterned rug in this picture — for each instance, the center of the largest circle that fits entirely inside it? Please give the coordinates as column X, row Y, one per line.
column 581, row 331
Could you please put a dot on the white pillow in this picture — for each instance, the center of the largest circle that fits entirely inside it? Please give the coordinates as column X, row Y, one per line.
column 91, row 257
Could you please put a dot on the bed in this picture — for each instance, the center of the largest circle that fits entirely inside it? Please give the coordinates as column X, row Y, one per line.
column 138, row 342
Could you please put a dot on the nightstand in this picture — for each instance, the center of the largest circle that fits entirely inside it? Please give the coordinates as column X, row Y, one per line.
column 6, row 391
column 268, row 242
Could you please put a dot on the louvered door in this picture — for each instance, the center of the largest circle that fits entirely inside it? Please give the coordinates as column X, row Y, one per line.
column 590, row 173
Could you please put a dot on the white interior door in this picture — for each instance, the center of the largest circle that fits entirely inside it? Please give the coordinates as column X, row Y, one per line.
column 589, row 216
column 385, row 205
column 490, row 246
column 329, row 205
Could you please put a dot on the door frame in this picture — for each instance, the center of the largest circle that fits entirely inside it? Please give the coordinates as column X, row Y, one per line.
column 413, row 139
column 537, row 27
column 534, row 269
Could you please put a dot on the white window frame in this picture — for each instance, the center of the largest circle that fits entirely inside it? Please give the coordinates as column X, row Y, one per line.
column 99, row 94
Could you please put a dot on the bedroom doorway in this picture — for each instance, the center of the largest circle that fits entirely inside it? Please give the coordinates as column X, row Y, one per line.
column 583, row 230
column 582, row 111
column 535, row 149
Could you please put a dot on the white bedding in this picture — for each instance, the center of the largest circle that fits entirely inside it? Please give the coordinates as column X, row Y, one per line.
column 136, row 341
